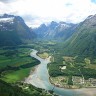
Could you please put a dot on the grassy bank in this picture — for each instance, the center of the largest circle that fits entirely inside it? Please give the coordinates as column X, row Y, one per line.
column 43, row 55
column 78, row 69
column 15, row 63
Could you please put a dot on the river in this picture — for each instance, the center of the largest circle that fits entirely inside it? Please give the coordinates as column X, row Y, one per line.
column 40, row 78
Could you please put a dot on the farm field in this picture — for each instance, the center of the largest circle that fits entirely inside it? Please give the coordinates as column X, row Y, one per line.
column 16, row 64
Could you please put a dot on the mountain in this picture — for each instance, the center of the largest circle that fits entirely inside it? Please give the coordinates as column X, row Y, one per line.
column 55, row 30
column 45, row 31
column 64, row 30
column 41, row 31
column 83, row 41
column 14, row 31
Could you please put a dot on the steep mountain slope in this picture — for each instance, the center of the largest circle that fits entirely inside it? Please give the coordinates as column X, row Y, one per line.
column 83, row 41
column 55, row 30
column 41, row 30
column 64, row 30
column 14, row 31
column 45, row 31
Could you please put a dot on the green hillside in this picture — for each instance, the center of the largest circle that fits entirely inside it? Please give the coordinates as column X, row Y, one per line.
column 83, row 41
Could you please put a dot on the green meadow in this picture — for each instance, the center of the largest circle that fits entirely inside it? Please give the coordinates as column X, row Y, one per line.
column 16, row 63
column 14, row 76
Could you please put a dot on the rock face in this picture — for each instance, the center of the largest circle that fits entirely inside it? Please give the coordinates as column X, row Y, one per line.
column 55, row 30
column 83, row 41
column 14, row 31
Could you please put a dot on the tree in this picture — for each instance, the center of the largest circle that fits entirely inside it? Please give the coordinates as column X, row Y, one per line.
column 70, row 82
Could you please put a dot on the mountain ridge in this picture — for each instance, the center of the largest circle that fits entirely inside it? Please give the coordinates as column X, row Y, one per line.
column 82, row 42
column 54, row 30
column 14, row 31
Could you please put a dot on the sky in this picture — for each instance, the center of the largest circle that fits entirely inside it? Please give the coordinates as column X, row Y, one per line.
column 36, row 12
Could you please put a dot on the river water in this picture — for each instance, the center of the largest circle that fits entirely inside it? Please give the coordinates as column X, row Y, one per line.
column 40, row 78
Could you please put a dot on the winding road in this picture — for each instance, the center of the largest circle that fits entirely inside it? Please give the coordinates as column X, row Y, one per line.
column 40, row 78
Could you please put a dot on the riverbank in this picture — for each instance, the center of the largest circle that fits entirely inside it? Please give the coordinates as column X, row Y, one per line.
column 15, row 63
column 40, row 78
column 60, row 82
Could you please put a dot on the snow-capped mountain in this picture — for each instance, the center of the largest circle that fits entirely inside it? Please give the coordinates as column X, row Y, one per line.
column 5, row 23
column 13, row 30
column 61, row 30
column 4, row 20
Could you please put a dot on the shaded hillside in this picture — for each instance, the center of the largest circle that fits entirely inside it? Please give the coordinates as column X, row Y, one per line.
column 83, row 41
column 14, row 31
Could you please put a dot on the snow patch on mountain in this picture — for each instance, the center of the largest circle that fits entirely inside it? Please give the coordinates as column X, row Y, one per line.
column 4, row 20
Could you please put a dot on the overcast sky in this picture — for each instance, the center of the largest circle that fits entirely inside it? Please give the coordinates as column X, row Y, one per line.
column 35, row 12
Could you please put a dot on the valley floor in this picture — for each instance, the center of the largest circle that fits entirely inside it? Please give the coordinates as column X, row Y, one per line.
column 69, row 72
column 38, row 77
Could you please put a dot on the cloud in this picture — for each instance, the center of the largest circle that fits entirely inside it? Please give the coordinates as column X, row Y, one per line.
column 4, row 1
column 7, row 1
column 36, row 12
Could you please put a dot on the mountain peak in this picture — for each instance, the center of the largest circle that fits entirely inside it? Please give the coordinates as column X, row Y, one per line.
column 6, row 16
column 42, row 25
column 91, row 17
column 14, row 31
column 83, row 41
column 53, row 22
column 54, row 30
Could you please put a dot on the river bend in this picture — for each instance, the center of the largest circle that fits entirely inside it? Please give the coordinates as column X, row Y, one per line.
column 40, row 78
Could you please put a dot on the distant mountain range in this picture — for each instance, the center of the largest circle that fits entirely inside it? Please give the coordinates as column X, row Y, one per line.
column 55, row 30
column 14, row 31
column 79, row 39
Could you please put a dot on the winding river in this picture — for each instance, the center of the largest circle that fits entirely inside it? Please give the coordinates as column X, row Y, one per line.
column 40, row 78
